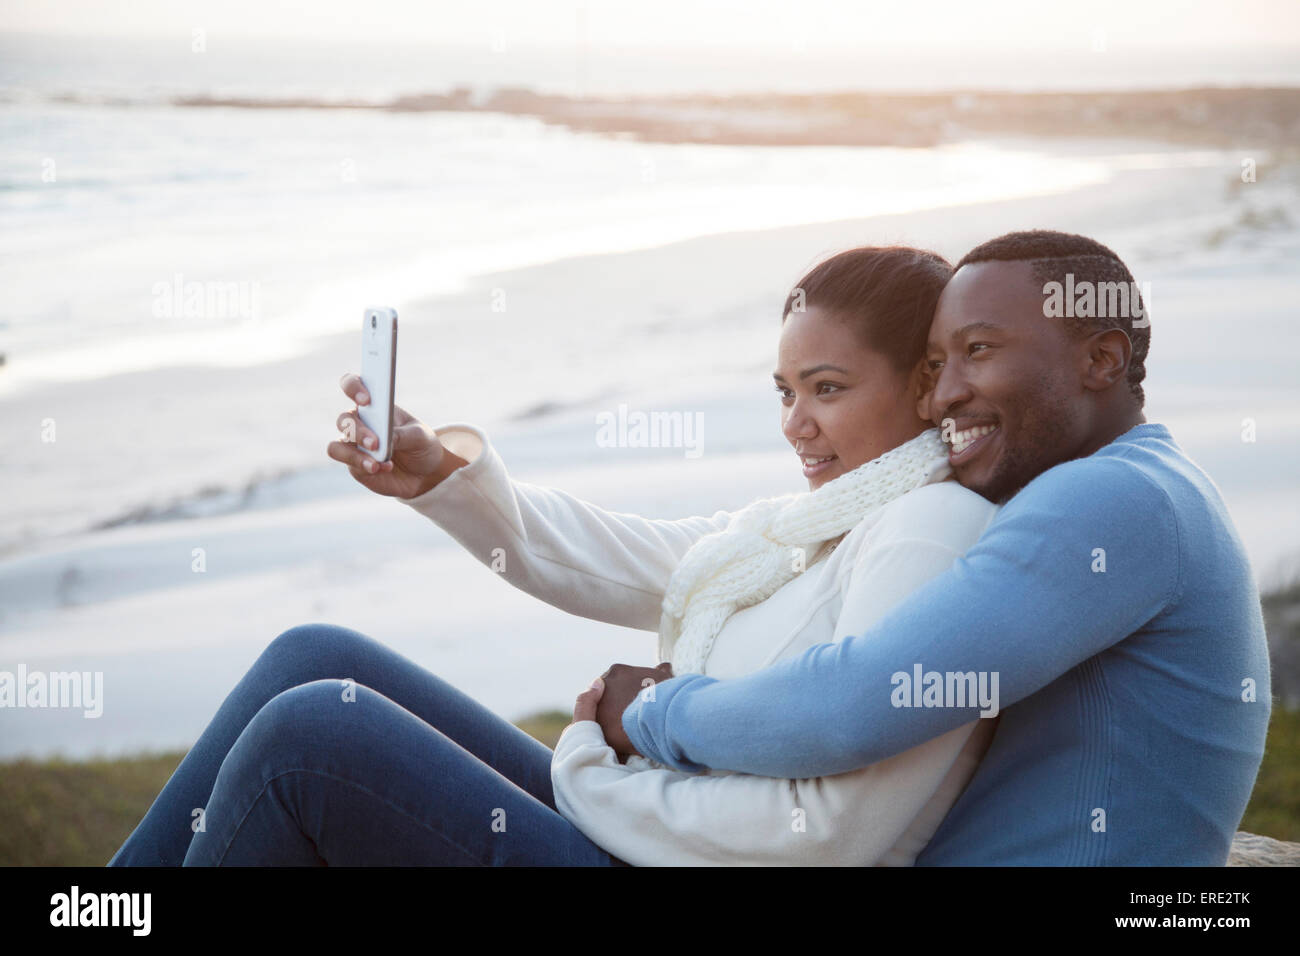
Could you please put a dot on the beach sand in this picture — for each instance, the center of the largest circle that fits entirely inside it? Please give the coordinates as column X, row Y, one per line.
column 288, row 544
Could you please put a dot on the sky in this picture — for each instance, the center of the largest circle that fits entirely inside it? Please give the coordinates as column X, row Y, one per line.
column 690, row 24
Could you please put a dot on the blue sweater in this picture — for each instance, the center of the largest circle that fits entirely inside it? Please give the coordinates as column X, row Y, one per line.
column 1112, row 607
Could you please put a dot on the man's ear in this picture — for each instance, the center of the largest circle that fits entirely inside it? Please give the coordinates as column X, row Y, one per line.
column 1108, row 354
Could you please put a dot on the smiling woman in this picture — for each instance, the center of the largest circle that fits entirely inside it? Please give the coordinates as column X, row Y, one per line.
column 851, row 351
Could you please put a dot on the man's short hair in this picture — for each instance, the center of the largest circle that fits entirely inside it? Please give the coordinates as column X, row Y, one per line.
column 1054, row 254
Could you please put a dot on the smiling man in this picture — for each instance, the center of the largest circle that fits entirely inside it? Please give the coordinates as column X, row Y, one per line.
column 1111, row 597
column 1019, row 388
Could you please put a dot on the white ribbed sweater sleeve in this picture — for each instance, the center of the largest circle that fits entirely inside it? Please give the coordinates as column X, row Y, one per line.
column 598, row 564
column 664, row 817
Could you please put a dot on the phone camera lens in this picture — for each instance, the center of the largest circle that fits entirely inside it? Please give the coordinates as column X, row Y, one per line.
column 374, row 321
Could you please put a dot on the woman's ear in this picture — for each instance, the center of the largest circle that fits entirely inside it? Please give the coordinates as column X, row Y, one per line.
column 921, row 384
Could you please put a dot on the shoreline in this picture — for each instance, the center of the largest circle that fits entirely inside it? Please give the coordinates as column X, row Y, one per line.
column 1197, row 115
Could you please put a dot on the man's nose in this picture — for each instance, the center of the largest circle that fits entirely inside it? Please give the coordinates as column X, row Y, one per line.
column 950, row 390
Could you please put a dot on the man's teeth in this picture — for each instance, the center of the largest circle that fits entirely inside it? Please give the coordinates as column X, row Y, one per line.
column 961, row 440
column 814, row 461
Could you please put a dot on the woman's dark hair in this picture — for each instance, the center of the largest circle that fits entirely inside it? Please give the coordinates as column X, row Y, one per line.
column 886, row 293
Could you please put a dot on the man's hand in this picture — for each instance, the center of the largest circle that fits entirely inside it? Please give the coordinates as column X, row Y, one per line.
column 622, row 682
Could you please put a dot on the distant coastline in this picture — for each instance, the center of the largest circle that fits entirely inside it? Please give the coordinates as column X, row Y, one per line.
column 1209, row 116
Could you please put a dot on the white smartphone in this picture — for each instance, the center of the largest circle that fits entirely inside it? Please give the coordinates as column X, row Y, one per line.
column 378, row 374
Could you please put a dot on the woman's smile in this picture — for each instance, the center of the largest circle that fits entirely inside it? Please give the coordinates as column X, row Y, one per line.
column 815, row 465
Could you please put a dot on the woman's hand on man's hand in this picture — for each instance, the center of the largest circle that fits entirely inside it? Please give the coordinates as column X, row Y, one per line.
column 610, row 694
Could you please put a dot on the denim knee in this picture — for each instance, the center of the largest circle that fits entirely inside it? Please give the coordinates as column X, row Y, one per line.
column 321, row 647
column 312, row 638
column 309, row 718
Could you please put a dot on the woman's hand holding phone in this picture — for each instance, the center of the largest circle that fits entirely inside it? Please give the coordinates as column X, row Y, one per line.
column 418, row 460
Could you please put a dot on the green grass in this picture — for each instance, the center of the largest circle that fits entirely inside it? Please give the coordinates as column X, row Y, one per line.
column 61, row 813
column 1274, row 808
column 65, row 813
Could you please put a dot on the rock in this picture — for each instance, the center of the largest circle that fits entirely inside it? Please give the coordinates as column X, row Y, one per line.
column 1250, row 849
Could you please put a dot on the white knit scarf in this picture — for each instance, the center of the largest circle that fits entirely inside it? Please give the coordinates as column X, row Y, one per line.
column 755, row 555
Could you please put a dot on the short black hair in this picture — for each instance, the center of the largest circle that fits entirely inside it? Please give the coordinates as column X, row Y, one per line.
column 886, row 293
column 1054, row 254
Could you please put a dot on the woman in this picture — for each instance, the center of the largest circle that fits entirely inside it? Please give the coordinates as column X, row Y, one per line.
column 335, row 750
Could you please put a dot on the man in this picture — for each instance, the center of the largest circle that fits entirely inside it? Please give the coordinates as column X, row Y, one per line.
column 1110, row 605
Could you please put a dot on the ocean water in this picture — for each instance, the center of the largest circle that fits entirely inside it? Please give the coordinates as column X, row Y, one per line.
column 138, row 235
column 141, row 236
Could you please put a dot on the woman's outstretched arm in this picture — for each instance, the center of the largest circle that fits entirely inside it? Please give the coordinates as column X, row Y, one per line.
column 605, row 565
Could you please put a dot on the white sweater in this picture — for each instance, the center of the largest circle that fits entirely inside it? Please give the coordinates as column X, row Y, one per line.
column 614, row 567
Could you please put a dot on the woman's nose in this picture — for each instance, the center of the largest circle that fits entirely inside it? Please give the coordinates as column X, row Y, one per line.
column 798, row 425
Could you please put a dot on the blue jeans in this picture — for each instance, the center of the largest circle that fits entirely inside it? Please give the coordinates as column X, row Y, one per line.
column 335, row 750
